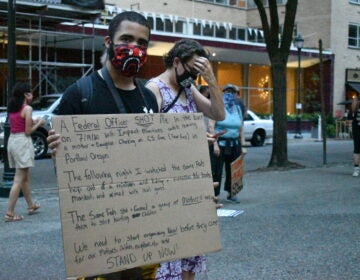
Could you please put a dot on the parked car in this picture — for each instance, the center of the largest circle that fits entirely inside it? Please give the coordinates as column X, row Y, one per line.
column 43, row 107
column 256, row 129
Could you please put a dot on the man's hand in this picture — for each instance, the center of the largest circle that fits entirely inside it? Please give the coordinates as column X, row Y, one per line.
column 53, row 141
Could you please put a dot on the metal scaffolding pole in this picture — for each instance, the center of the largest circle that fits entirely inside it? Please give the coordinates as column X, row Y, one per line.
column 8, row 174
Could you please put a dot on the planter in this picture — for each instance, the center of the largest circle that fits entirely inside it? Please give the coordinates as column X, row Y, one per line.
column 305, row 125
column 314, row 132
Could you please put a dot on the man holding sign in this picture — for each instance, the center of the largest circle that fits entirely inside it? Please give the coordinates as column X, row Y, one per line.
column 114, row 91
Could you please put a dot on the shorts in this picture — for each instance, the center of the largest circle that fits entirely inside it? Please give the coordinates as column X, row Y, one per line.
column 20, row 150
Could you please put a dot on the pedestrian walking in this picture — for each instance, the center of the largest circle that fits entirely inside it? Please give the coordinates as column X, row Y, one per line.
column 20, row 148
column 355, row 108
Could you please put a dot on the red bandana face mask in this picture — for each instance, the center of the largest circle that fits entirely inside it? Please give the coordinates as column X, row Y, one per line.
column 128, row 59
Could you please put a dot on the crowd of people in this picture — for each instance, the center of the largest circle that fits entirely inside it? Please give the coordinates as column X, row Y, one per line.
column 115, row 90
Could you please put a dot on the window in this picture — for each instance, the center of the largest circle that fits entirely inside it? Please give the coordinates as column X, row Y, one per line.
column 168, row 25
column 150, row 21
column 179, row 26
column 241, row 34
column 232, row 33
column 159, row 25
column 354, row 1
column 354, row 35
column 252, row 35
column 220, row 32
column 197, row 29
column 208, row 30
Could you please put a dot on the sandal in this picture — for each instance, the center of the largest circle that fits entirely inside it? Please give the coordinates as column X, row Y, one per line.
column 13, row 218
column 33, row 209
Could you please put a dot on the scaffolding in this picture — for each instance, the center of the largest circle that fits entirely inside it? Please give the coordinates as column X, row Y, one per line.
column 41, row 28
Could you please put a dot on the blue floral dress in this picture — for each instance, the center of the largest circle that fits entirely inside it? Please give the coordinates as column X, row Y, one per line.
column 172, row 270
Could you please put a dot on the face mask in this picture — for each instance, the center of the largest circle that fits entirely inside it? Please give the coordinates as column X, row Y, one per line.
column 128, row 59
column 229, row 100
column 185, row 79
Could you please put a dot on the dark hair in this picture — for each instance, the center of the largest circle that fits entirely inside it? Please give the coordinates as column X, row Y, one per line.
column 203, row 88
column 184, row 49
column 130, row 16
column 17, row 96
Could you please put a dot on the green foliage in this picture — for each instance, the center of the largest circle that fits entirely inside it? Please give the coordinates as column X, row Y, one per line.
column 311, row 93
column 330, row 130
column 264, row 116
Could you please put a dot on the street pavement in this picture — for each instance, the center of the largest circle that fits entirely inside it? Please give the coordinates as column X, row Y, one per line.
column 297, row 224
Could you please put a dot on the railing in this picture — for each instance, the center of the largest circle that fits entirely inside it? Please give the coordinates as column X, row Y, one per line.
column 343, row 129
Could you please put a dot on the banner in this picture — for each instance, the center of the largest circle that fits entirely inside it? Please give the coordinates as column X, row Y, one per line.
column 134, row 190
column 237, row 173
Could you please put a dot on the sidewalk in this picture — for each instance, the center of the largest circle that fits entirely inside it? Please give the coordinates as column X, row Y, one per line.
column 300, row 224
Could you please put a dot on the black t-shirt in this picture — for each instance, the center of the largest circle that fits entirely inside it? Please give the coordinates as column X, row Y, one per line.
column 102, row 101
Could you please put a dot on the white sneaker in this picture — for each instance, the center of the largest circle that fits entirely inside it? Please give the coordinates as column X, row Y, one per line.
column 356, row 172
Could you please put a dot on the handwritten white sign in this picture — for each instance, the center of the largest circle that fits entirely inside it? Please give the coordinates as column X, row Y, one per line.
column 134, row 189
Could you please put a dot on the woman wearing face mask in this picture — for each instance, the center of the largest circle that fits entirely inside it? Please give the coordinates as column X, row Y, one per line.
column 176, row 93
column 174, row 88
column 230, row 145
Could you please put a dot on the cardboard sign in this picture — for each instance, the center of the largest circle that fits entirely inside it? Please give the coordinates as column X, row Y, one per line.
column 134, row 190
column 237, row 173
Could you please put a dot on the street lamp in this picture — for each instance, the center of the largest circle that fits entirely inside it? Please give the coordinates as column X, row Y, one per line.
column 298, row 43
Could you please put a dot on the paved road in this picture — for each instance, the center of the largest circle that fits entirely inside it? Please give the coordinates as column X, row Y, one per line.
column 298, row 224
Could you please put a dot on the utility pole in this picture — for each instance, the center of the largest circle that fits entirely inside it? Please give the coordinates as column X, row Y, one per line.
column 299, row 43
column 8, row 174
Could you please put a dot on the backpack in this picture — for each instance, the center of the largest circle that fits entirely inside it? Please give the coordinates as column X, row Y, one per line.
column 85, row 88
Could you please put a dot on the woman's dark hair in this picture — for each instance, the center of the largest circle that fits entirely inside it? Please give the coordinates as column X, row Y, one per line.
column 203, row 88
column 184, row 49
column 16, row 99
column 130, row 16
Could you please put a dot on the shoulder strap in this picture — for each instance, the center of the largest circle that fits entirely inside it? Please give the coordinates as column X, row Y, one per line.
column 141, row 89
column 168, row 107
column 85, row 88
column 113, row 90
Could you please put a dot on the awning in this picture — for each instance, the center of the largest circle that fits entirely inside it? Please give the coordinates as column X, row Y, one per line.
column 354, row 86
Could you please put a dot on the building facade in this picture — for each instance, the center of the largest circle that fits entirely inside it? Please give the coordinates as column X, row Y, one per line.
column 229, row 29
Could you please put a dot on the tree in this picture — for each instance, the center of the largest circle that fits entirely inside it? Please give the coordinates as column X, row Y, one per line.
column 278, row 47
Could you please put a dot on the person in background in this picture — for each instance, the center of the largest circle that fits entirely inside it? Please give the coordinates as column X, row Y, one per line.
column 230, row 145
column 355, row 116
column 20, row 148
column 212, row 138
column 176, row 93
column 238, row 100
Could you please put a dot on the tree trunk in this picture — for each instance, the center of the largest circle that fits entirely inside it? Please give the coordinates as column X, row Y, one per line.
column 278, row 49
column 279, row 155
